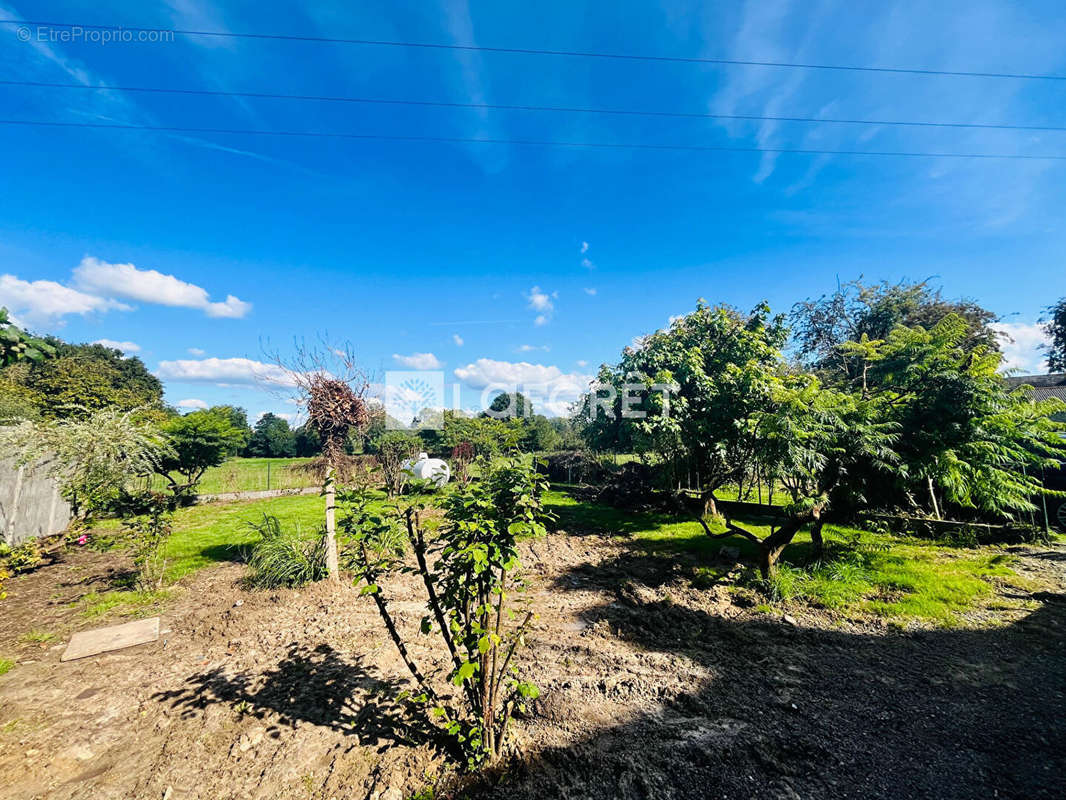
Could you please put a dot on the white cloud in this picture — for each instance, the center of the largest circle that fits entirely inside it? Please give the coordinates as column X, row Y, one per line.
column 541, row 301
column 225, row 371
column 1022, row 351
column 288, row 416
column 195, row 351
column 529, row 348
column 584, row 247
column 191, row 403
column 590, row 292
column 587, row 263
column 457, row 339
column 151, row 286
column 419, row 361
column 44, row 301
column 542, row 319
column 125, row 347
column 548, row 387
column 582, row 362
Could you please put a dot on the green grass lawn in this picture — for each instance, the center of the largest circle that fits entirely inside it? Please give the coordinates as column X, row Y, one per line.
column 249, row 475
column 895, row 577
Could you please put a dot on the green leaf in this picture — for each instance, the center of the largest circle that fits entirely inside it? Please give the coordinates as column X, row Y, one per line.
column 464, row 673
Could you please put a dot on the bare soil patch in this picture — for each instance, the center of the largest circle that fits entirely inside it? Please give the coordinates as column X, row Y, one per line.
column 651, row 689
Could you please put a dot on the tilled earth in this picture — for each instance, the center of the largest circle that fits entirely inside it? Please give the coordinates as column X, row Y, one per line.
column 651, row 689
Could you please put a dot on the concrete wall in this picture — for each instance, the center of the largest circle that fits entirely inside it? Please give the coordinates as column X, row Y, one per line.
column 30, row 504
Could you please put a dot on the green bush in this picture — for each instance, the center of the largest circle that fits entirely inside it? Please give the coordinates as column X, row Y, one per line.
column 25, row 557
column 150, row 534
column 284, row 559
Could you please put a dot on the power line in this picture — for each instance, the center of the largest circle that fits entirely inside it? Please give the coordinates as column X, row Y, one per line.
column 288, row 37
column 527, row 142
column 517, row 107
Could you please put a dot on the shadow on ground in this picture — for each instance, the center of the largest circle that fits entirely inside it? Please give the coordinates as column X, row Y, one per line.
column 316, row 685
column 812, row 713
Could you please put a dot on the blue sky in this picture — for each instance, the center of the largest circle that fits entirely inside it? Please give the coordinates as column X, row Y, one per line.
column 498, row 261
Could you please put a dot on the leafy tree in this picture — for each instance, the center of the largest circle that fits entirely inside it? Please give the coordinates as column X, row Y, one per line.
column 198, row 440
column 568, row 431
column 238, row 417
column 693, row 389
column 18, row 345
column 93, row 460
column 855, row 310
column 509, row 405
column 306, row 441
column 825, row 445
column 1055, row 328
column 538, row 434
column 963, row 432
column 84, row 378
column 487, row 436
column 271, row 438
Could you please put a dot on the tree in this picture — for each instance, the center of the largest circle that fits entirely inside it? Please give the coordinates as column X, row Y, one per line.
column 963, row 432
column 333, row 390
column 93, row 460
column 825, row 445
column 238, row 418
column 509, row 405
column 306, row 441
column 271, row 438
column 198, row 440
column 18, row 345
column 1055, row 328
column 691, row 391
column 855, row 310
column 84, row 378
column 538, row 435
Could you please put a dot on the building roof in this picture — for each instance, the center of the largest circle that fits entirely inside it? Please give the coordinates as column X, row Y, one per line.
column 1044, row 386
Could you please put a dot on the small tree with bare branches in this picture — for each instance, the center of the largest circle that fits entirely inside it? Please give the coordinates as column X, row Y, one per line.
column 332, row 389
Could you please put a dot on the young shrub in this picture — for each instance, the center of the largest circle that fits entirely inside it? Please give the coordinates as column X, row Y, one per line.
column 395, row 448
column 283, row 559
column 149, row 535
column 25, row 556
column 471, row 576
column 462, row 456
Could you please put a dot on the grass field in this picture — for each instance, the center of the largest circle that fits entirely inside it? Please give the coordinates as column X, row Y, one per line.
column 249, row 475
column 895, row 577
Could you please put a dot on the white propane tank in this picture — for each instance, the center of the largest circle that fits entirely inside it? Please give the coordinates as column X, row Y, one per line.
column 433, row 470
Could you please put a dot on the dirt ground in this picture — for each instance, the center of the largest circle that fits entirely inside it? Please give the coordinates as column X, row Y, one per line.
column 651, row 689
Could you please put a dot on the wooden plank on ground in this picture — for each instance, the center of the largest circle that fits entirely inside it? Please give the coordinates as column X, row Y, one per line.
column 116, row 637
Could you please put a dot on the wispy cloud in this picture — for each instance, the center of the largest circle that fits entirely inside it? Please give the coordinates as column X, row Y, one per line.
column 543, row 303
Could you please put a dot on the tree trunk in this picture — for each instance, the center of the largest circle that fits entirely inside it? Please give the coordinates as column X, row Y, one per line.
column 817, row 546
column 332, row 563
column 772, row 546
column 710, row 506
